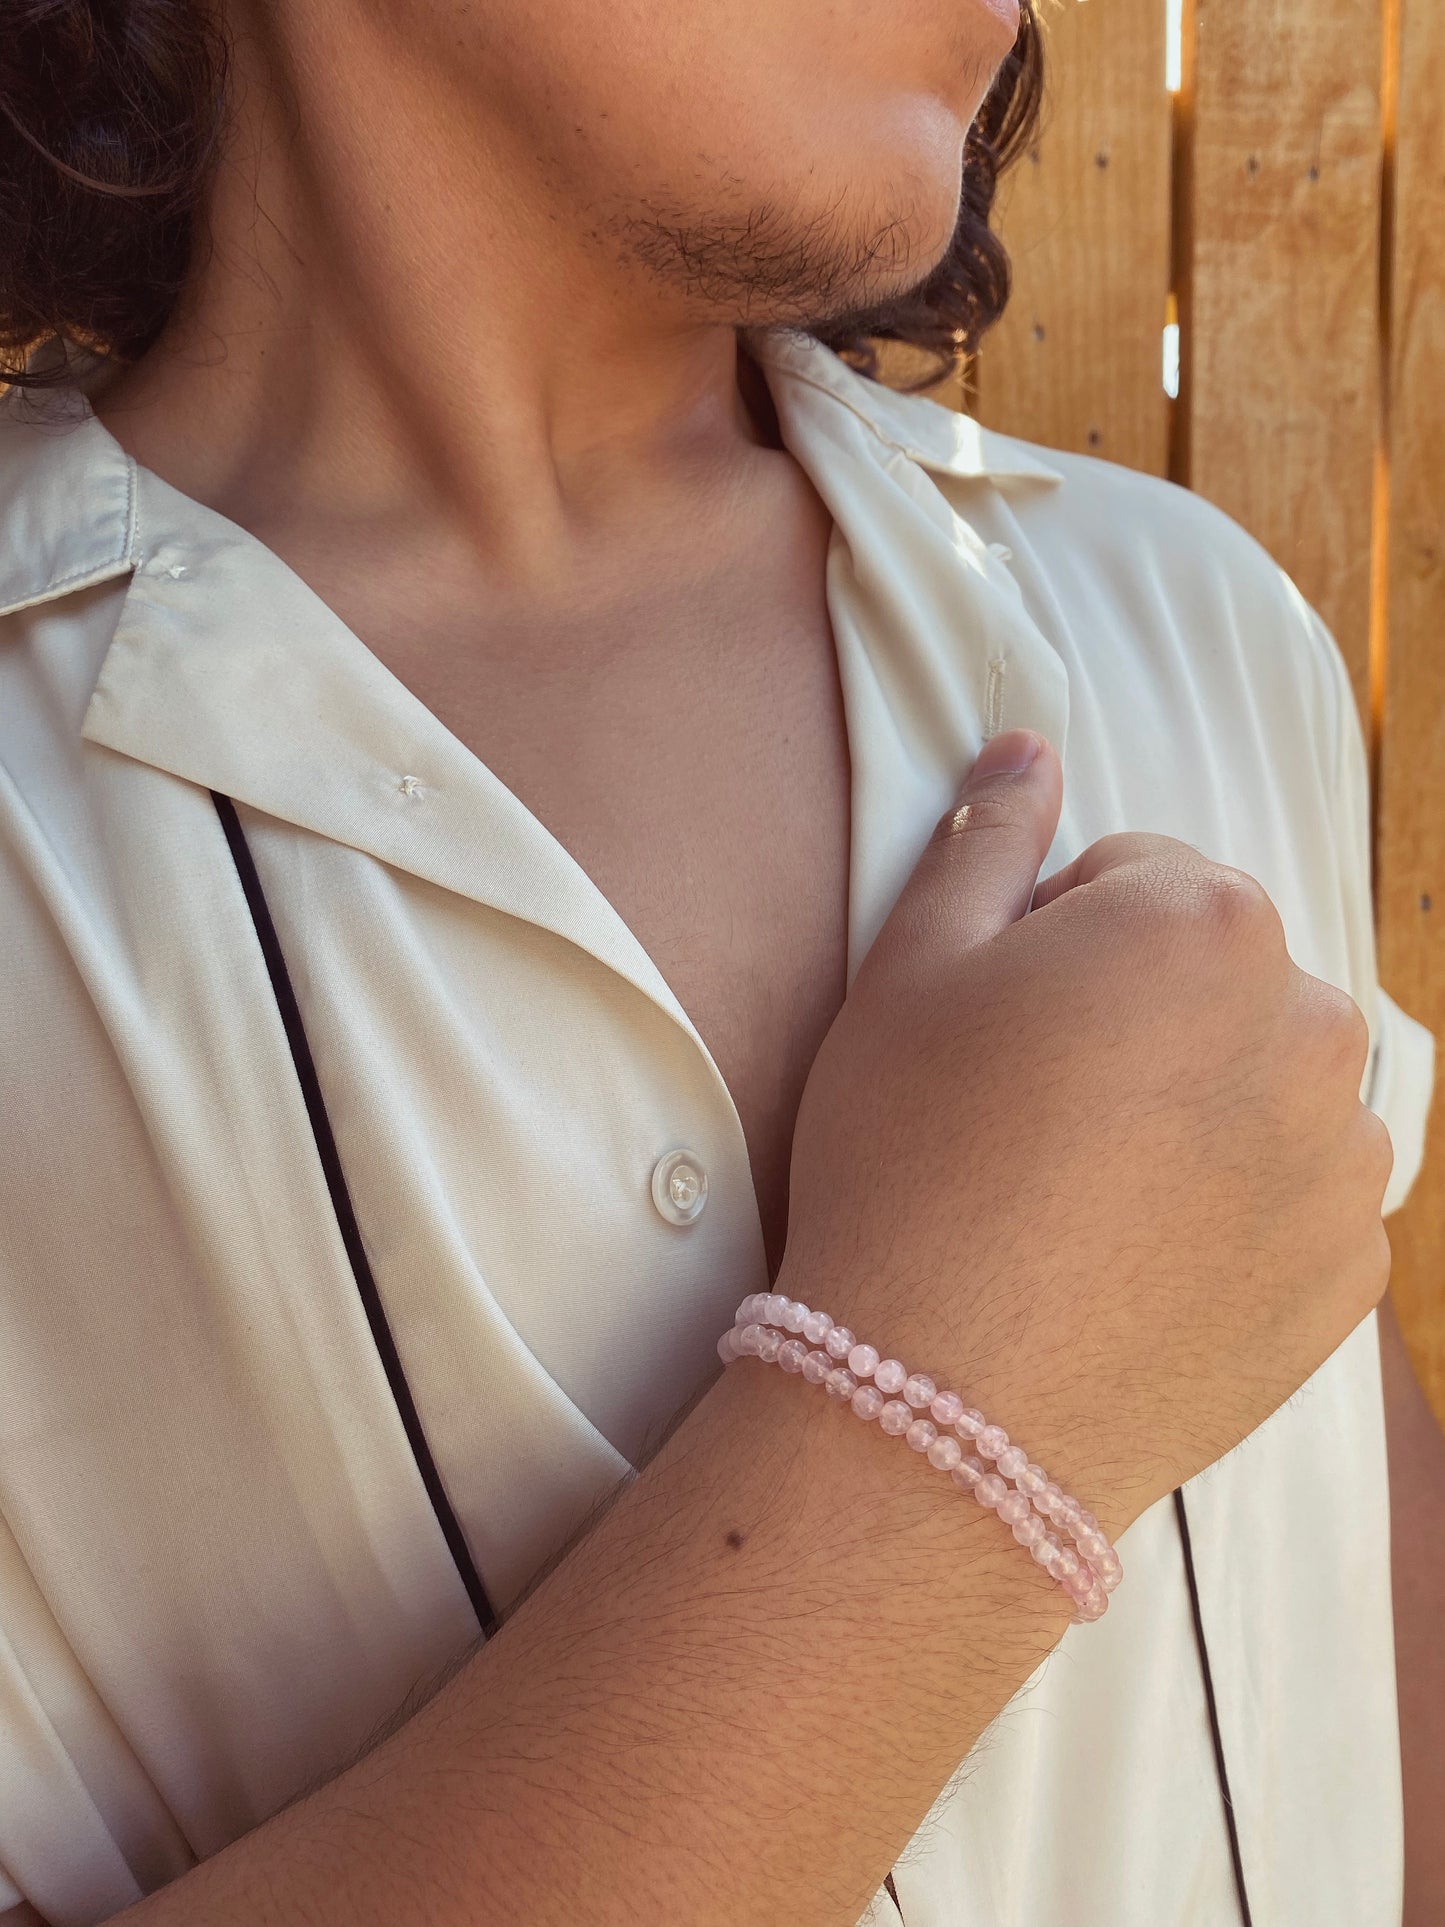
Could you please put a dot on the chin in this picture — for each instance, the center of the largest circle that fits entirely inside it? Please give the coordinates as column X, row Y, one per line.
column 877, row 260
column 910, row 225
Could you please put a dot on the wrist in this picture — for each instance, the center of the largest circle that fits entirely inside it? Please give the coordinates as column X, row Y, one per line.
column 1036, row 1390
column 895, row 1536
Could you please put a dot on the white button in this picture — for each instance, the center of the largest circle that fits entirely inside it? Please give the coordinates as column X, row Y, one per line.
column 679, row 1186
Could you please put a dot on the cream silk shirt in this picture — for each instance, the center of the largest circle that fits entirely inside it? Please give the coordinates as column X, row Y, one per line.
column 226, row 1552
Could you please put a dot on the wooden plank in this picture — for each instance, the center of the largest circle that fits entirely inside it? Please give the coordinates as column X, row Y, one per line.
column 1410, row 854
column 1077, row 361
column 1279, row 279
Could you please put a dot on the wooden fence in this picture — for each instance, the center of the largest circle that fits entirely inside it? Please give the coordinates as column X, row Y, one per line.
column 1267, row 177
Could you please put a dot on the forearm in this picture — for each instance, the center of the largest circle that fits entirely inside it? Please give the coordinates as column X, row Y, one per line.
column 1417, row 1510
column 735, row 1700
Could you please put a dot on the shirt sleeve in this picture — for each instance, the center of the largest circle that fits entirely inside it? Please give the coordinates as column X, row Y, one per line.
column 1400, row 1074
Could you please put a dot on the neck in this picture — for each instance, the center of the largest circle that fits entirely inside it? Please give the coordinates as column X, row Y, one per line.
column 398, row 321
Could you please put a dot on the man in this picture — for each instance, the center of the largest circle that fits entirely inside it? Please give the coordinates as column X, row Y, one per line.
column 441, row 669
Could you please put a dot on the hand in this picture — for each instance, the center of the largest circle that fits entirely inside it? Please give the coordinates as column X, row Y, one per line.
column 1103, row 1167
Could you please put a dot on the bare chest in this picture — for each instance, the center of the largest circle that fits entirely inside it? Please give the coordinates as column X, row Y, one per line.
column 693, row 759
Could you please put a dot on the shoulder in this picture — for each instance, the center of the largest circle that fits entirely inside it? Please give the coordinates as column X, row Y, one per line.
column 1166, row 583
column 1139, row 527
column 1135, row 531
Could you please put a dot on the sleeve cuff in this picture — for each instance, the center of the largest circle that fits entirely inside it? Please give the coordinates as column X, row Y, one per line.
column 1402, row 1078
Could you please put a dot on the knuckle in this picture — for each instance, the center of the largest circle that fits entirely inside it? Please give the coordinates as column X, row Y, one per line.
column 1140, row 863
column 1129, row 847
column 1206, row 911
column 1145, row 885
column 1378, row 1156
column 1361, row 1279
column 1342, row 1030
column 1232, row 907
column 1375, row 1266
column 1353, row 1037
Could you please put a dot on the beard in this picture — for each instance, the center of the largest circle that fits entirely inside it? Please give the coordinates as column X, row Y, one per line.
column 774, row 266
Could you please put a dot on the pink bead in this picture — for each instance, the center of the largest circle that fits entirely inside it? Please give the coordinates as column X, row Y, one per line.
column 794, row 1316
column 1032, row 1480
column 861, row 1361
column 816, row 1327
column 945, row 1452
column 921, row 1434
column 1012, row 1461
column 896, row 1417
column 867, row 1401
column 1013, row 1507
column 839, row 1342
column 1069, row 1563
column 991, row 1441
column 1093, row 1545
column 920, row 1391
column 946, row 1407
column 969, row 1423
column 777, row 1310
column 1029, row 1531
column 816, row 1367
column 725, row 1350
column 769, row 1345
column 974, row 1467
column 1048, row 1552
column 890, row 1376
column 1093, row 1607
column 990, row 1489
column 1088, row 1519
column 966, row 1475
column 791, row 1354
column 1079, row 1584
column 840, row 1383
column 749, row 1339
column 1109, row 1569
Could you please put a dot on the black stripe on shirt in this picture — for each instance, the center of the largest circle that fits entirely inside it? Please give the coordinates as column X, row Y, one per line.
column 345, row 1212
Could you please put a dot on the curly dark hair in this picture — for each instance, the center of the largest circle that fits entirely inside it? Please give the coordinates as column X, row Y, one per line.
column 112, row 116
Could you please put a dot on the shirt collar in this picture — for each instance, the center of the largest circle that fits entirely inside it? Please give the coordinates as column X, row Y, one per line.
column 937, row 438
column 67, row 500
column 225, row 669
column 48, row 549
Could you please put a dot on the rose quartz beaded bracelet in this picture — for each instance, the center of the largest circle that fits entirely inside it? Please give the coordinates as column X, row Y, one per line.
column 1023, row 1494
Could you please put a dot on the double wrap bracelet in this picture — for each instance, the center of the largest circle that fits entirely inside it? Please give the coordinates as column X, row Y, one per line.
column 909, row 1405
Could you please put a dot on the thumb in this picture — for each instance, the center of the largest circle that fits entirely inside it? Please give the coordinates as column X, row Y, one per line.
column 978, row 869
